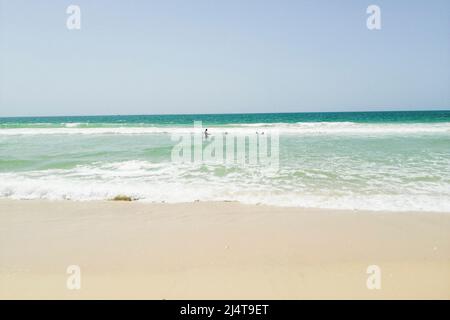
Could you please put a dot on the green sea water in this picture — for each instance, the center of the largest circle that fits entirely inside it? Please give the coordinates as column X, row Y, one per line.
column 398, row 161
column 228, row 119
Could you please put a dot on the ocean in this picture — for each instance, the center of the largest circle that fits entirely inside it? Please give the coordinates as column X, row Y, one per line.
column 390, row 161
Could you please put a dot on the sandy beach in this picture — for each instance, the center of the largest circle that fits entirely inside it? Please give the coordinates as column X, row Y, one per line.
column 218, row 250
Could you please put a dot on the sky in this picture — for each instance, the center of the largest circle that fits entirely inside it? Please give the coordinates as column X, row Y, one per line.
column 222, row 56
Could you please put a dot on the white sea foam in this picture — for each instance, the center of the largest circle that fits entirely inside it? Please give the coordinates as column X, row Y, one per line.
column 304, row 128
column 157, row 182
column 72, row 124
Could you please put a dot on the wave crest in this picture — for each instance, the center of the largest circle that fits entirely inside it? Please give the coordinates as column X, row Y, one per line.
column 300, row 128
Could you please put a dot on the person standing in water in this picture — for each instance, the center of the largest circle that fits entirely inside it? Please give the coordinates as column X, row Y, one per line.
column 206, row 133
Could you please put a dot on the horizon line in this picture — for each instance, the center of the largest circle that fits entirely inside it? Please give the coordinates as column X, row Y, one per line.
column 230, row 113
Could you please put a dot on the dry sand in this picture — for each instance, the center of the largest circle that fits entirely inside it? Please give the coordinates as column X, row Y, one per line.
column 215, row 250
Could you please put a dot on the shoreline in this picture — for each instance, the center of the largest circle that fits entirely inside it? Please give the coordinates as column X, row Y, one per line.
column 130, row 200
column 218, row 250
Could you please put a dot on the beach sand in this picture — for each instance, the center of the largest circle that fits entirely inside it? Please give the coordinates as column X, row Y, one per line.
column 218, row 250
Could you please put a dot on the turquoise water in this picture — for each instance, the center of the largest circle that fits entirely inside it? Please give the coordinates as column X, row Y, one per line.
column 229, row 119
column 396, row 161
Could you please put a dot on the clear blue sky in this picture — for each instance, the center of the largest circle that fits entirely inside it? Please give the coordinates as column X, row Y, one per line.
column 222, row 56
